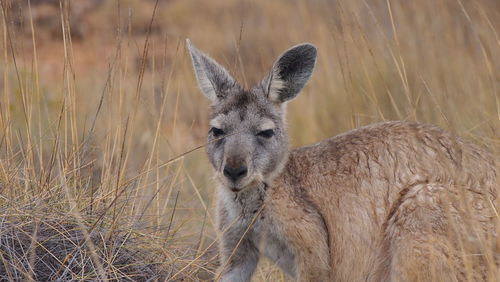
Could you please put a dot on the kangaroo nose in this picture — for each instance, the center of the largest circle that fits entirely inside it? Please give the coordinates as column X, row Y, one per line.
column 235, row 173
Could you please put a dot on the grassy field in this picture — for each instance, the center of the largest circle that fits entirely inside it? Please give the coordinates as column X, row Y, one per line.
column 102, row 167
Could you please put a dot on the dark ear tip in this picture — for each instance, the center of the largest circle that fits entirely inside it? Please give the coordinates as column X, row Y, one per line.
column 305, row 52
column 308, row 46
column 306, row 49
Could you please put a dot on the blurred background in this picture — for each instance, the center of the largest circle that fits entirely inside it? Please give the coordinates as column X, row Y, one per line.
column 102, row 126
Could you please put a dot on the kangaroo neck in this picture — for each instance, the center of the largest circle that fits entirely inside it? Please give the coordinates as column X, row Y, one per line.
column 250, row 200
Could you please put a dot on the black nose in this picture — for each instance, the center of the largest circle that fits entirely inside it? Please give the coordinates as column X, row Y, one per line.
column 235, row 173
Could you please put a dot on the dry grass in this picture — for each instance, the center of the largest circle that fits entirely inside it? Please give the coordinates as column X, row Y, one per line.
column 99, row 113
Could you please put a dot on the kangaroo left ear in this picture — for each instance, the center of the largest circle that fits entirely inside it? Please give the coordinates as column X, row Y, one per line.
column 213, row 79
column 290, row 73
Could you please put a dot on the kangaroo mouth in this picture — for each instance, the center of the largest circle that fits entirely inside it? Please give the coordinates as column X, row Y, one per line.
column 236, row 187
column 245, row 184
column 251, row 180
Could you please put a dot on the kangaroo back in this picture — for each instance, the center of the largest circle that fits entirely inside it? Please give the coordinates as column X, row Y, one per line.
column 397, row 196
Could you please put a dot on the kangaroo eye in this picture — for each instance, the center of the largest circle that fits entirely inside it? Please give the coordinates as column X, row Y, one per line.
column 217, row 131
column 266, row 133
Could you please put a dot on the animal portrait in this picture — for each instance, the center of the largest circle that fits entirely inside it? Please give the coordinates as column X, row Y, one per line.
column 392, row 201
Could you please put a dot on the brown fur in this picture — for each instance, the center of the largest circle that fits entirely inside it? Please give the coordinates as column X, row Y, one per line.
column 394, row 201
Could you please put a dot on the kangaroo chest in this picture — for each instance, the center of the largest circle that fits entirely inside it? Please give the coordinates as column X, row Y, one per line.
column 263, row 230
column 272, row 244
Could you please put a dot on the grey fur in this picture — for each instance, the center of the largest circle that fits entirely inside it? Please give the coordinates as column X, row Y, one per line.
column 291, row 72
column 214, row 81
column 367, row 205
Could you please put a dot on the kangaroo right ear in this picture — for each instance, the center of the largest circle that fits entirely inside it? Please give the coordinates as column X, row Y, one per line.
column 213, row 79
column 290, row 73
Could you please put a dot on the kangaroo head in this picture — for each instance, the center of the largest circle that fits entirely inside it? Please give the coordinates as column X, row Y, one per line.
column 248, row 142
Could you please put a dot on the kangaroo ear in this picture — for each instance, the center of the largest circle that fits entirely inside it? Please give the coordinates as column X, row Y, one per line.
column 213, row 80
column 290, row 73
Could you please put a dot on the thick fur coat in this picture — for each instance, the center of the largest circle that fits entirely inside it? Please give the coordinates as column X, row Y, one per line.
column 393, row 201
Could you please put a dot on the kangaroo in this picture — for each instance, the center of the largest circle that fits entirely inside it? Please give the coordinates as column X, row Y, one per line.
column 392, row 201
